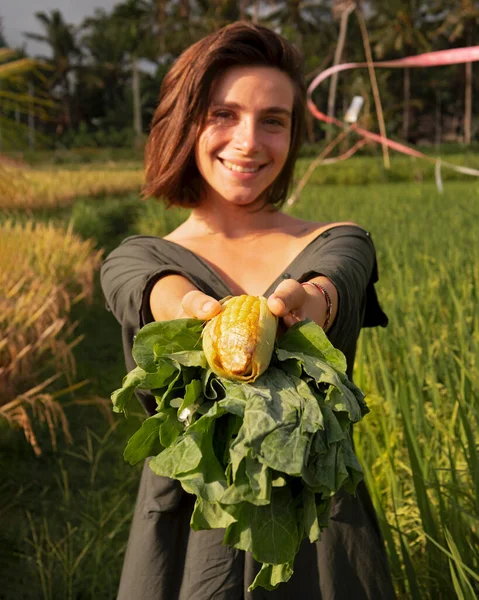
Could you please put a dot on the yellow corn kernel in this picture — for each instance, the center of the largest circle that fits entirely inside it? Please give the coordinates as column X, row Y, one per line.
column 238, row 343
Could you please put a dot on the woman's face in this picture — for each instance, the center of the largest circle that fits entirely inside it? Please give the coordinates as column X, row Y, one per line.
column 246, row 137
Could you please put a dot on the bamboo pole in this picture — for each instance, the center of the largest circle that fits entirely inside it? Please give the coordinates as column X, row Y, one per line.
column 312, row 166
column 406, row 110
column 468, row 104
column 374, row 85
column 343, row 28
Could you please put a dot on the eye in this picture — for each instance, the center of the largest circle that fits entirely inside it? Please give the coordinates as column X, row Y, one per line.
column 273, row 122
column 223, row 116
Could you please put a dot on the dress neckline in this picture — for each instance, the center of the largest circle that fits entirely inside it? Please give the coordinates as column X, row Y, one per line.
column 278, row 279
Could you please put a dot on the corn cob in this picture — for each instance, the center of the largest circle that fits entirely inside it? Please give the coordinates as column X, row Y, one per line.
column 238, row 343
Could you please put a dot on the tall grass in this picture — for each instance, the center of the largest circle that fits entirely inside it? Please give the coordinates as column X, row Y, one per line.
column 64, row 535
column 418, row 445
column 45, row 269
column 32, row 189
column 364, row 170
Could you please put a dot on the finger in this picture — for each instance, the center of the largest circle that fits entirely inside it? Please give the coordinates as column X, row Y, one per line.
column 198, row 305
column 288, row 296
column 291, row 319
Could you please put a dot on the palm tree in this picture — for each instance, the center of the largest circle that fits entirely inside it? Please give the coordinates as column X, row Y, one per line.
column 60, row 36
column 135, row 19
column 459, row 21
column 398, row 27
column 104, row 73
column 300, row 22
column 17, row 97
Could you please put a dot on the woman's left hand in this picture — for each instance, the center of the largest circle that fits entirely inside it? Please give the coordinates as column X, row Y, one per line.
column 294, row 302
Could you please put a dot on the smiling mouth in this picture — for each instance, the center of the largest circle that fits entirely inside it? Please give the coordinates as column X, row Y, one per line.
column 239, row 169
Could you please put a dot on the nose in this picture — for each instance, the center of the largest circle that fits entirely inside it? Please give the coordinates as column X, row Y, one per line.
column 246, row 136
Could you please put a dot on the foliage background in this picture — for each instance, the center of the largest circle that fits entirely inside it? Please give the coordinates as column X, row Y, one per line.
column 104, row 73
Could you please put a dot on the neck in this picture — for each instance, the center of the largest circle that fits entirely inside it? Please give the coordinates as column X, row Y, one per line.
column 232, row 221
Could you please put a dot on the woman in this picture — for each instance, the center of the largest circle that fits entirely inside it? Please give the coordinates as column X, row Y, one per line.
column 224, row 140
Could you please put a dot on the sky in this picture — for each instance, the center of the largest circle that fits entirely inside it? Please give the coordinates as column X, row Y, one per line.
column 18, row 16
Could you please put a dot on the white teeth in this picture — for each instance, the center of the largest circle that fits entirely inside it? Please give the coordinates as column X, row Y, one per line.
column 233, row 167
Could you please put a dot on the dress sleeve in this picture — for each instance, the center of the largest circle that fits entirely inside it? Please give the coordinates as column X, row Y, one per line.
column 348, row 258
column 129, row 273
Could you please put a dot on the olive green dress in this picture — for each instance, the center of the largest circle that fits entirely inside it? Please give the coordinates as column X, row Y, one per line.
column 165, row 559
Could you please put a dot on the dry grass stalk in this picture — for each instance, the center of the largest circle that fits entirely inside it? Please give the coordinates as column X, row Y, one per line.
column 45, row 269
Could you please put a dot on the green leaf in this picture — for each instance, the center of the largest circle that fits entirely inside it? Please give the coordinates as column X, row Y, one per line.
column 284, row 449
column 270, row 576
column 146, row 441
column 182, row 457
column 139, row 378
column 333, row 432
column 121, row 398
column 320, row 472
column 259, row 476
column 208, row 479
column 340, row 396
column 187, row 358
column 192, row 461
column 162, row 338
column 251, row 484
column 193, row 395
column 209, row 515
column 269, row 532
column 170, row 428
column 267, row 407
column 236, row 397
column 160, row 378
column 309, row 338
column 278, row 480
column 311, row 523
column 352, row 465
column 212, row 386
column 311, row 415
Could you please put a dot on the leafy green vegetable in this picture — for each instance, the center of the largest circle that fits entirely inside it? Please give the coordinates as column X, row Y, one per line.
column 152, row 341
column 263, row 459
column 146, row 441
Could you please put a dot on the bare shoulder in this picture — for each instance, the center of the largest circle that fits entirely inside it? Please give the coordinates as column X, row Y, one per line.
column 181, row 233
column 315, row 229
column 341, row 223
column 174, row 235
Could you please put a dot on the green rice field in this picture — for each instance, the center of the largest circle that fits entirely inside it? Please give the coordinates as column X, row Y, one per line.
column 65, row 515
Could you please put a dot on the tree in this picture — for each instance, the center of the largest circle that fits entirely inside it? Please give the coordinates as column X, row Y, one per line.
column 398, row 28
column 3, row 43
column 104, row 73
column 134, row 19
column 459, row 21
column 61, row 37
column 17, row 77
column 298, row 20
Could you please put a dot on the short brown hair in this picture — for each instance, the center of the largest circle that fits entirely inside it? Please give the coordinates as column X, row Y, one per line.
column 171, row 171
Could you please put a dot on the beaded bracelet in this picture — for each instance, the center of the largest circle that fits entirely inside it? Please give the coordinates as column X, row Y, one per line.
column 329, row 305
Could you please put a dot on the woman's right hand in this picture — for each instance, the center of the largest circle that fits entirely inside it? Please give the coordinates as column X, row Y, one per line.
column 197, row 305
column 175, row 297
